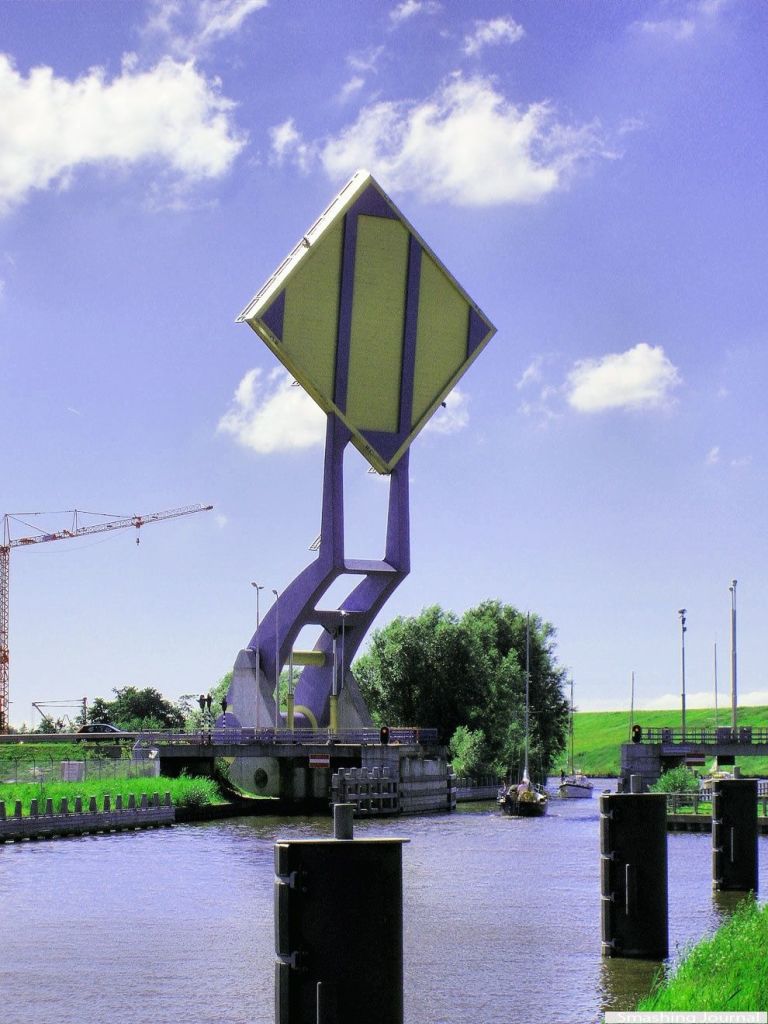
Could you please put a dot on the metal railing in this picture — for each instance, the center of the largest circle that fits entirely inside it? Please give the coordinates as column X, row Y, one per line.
column 50, row 769
column 745, row 734
column 304, row 737
column 701, row 801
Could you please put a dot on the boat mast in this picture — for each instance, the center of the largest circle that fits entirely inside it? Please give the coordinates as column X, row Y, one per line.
column 527, row 687
column 570, row 728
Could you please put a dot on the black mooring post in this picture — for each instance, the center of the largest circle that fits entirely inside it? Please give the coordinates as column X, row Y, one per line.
column 339, row 930
column 633, row 875
column 734, row 834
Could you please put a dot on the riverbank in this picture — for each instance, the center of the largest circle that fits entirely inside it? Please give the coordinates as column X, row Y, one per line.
column 598, row 735
column 727, row 971
column 185, row 792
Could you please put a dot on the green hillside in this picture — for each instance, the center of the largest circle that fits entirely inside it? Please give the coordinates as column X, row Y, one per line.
column 597, row 735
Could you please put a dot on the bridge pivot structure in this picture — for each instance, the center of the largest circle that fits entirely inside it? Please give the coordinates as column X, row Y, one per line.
column 375, row 329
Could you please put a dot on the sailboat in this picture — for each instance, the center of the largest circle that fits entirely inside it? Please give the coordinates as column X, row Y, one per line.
column 573, row 786
column 524, row 799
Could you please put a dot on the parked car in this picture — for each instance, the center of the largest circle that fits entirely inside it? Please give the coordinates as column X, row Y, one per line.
column 101, row 727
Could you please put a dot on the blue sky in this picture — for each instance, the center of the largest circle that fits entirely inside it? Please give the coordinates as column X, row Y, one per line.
column 594, row 176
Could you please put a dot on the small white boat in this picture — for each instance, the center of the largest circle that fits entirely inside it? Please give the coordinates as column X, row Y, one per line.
column 575, row 787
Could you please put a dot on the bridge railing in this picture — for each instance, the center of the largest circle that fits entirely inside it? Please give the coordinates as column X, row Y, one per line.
column 306, row 737
column 745, row 734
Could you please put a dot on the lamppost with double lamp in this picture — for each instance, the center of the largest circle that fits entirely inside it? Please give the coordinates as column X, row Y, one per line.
column 734, row 702
column 258, row 588
column 277, row 659
column 683, row 628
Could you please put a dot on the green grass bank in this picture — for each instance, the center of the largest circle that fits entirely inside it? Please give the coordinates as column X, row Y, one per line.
column 185, row 791
column 597, row 735
column 726, row 971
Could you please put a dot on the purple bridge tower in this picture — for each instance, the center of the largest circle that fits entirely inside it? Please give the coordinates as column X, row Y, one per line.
column 371, row 324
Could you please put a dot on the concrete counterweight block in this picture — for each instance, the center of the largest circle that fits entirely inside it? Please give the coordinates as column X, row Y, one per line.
column 633, row 875
column 339, row 931
column 734, row 835
column 119, row 802
column 93, row 807
column 144, row 803
column 64, row 806
column 49, row 808
column 33, row 809
column 107, row 803
column 17, row 809
column 131, row 802
column 78, row 805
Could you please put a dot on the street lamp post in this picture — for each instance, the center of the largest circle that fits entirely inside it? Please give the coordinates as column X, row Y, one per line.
column 343, row 627
column 683, row 629
column 258, row 588
column 333, row 707
column 734, row 701
column 277, row 658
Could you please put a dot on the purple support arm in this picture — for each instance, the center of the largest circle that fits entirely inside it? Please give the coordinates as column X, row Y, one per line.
column 298, row 602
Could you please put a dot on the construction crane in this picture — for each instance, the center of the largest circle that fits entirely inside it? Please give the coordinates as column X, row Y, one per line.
column 42, row 537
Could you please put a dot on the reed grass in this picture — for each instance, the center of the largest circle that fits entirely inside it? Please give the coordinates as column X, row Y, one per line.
column 185, row 792
column 727, row 971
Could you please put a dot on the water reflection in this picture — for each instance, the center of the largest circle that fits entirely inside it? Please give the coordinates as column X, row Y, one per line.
column 623, row 982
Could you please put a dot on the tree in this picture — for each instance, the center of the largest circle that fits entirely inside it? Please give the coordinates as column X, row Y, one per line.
column 438, row 670
column 134, row 709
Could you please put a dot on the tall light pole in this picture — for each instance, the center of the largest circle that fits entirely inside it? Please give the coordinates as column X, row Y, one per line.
column 343, row 625
column 683, row 629
column 333, row 706
column 734, row 701
column 277, row 658
column 258, row 588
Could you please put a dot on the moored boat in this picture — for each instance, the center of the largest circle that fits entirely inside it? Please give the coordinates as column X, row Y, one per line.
column 575, row 785
column 524, row 799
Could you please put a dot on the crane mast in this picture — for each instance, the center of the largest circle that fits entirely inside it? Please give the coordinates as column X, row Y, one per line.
column 42, row 537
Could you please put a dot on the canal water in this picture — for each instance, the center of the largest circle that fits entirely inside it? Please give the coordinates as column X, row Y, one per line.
column 175, row 926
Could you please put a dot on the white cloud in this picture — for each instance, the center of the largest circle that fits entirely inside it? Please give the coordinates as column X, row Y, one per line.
column 695, row 16
column 517, row 155
column 269, row 414
column 188, row 29
column 741, row 462
column 453, row 417
column 288, row 145
column 408, row 8
column 170, row 115
column 642, row 377
column 492, row 33
column 530, row 375
column 706, row 699
column 366, row 60
column 350, row 88
column 713, row 455
column 676, row 29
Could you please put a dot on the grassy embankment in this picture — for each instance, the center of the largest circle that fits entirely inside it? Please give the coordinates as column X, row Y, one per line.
column 726, row 971
column 597, row 735
column 29, row 771
column 185, row 792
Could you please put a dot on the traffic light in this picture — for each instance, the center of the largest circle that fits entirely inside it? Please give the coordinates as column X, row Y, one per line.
column 637, row 733
column 384, row 735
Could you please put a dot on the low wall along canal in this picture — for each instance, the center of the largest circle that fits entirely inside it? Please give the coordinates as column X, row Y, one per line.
column 501, row 920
